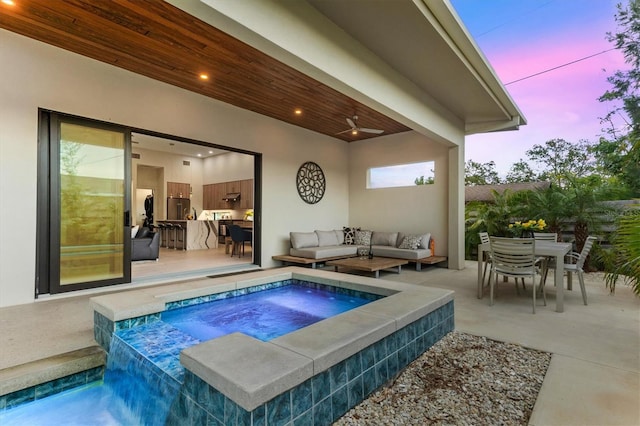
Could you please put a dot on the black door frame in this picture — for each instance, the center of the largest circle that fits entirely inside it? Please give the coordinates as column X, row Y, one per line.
column 45, row 238
column 48, row 204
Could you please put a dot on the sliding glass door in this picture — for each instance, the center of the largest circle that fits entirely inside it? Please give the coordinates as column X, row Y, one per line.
column 88, row 198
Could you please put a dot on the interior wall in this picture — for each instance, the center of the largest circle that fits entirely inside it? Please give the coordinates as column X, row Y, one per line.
column 412, row 209
column 42, row 76
column 174, row 171
column 227, row 168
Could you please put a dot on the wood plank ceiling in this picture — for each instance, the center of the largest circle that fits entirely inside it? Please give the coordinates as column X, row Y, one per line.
column 157, row 40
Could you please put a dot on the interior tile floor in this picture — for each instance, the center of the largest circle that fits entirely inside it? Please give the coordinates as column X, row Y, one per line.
column 594, row 375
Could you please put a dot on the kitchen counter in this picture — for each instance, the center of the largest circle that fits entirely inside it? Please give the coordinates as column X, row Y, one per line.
column 201, row 234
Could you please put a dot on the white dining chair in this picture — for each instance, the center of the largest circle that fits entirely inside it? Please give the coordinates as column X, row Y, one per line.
column 575, row 265
column 484, row 239
column 514, row 257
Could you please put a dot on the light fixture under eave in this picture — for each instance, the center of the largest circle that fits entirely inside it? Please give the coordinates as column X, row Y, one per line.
column 204, row 76
column 9, row 2
column 297, row 111
column 354, row 132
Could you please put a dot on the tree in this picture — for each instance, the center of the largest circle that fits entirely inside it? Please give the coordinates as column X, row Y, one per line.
column 423, row 181
column 620, row 155
column 520, row 172
column 561, row 160
column 480, row 173
column 625, row 258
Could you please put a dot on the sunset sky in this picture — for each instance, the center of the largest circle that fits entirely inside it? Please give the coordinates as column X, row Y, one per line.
column 523, row 37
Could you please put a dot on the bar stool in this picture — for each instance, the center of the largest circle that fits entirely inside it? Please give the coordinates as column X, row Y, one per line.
column 178, row 229
column 163, row 234
column 170, row 235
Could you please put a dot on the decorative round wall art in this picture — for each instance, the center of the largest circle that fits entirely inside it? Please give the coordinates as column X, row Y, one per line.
column 310, row 182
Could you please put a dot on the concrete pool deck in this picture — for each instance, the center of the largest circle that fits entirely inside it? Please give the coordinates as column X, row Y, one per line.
column 594, row 377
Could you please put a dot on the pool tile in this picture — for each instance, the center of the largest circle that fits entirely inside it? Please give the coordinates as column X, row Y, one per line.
column 338, row 374
column 380, row 350
column 339, row 402
column 279, row 410
column 230, row 411
column 305, row 419
column 322, row 413
column 369, row 381
column 381, row 373
column 259, row 416
column 320, row 386
column 355, row 393
column 368, row 357
column 301, row 398
column 393, row 364
column 354, row 366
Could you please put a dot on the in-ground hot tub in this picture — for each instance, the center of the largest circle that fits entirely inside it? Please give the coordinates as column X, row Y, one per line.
column 311, row 376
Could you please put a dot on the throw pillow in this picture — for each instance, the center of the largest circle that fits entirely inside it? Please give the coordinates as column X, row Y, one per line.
column 134, row 230
column 363, row 238
column 411, row 242
column 327, row 238
column 349, row 235
column 339, row 236
column 424, row 242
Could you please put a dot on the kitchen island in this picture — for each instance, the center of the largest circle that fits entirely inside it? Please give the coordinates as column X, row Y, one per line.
column 199, row 234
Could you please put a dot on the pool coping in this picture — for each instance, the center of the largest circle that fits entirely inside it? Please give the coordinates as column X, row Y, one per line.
column 289, row 360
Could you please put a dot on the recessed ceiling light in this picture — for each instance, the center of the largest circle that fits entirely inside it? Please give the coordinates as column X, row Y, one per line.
column 199, row 155
column 210, row 152
column 9, row 2
column 204, row 76
column 354, row 132
column 298, row 111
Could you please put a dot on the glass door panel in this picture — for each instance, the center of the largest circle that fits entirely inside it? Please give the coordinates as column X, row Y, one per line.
column 92, row 206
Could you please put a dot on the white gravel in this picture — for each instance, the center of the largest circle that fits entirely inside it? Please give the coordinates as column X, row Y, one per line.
column 461, row 380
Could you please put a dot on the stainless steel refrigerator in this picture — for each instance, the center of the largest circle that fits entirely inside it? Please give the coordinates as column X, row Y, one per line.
column 178, row 208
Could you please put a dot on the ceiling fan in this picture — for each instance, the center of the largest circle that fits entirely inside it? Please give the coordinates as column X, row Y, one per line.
column 353, row 123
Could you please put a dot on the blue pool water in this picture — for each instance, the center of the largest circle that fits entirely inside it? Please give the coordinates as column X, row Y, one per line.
column 264, row 315
column 144, row 374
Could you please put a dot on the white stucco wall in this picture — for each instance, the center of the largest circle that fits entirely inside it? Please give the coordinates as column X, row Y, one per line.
column 411, row 209
column 37, row 75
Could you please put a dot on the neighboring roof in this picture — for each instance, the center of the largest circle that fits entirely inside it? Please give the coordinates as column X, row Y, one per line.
column 484, row 192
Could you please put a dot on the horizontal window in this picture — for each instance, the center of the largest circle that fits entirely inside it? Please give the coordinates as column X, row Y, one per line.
column 401, row 175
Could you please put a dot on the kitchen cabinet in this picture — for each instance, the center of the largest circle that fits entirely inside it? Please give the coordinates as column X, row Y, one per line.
column 213, row 193
column 178, row 190
column 246, row 191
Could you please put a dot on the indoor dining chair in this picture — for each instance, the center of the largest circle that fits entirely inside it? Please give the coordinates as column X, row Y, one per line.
column 514, row 257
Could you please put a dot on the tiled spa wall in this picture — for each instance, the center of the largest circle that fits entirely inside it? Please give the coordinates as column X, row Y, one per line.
column 325, row 397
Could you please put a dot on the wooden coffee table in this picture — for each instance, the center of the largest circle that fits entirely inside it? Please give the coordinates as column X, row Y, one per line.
column 369, row 265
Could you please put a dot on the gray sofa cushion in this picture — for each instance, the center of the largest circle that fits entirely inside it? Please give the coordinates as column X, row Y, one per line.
column 328, row 238
column 323, row 252
column 303, row 239
column 398, row 253
column 384, row 238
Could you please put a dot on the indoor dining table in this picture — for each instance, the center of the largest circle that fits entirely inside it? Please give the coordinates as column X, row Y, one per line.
column 542, row 248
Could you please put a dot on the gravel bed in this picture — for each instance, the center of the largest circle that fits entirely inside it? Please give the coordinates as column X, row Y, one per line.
column 461, row 380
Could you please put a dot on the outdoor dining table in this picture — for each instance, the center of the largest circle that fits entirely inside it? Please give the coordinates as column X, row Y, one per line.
column 542, row 248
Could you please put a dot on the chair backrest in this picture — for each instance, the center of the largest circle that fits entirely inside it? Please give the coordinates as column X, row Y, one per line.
column 484, row 237
column 237, row 235
column 585, row 252
column 513, row 255
column 546, row 236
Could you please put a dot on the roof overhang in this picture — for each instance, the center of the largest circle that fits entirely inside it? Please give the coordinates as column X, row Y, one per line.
column 405, row 58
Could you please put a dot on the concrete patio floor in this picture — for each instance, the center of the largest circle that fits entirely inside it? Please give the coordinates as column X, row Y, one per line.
column 593, row 378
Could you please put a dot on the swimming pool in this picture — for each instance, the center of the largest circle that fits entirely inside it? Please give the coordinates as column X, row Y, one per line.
column 309, row 376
